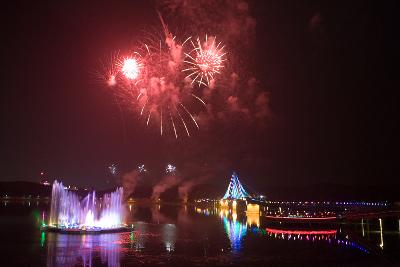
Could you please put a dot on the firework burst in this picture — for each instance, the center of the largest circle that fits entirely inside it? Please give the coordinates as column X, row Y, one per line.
column 107, row 71
column 204, row 61
column 154, row 80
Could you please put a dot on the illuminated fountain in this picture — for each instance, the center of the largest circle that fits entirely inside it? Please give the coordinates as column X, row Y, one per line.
column 70, row 214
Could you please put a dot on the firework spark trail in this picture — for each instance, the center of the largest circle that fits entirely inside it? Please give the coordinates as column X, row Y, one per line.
column 184, row 124
column 161, row 129
column 148, row 118
column 198, row 98
column 141, row 112
column 173, row 125
column 187, row 39
column 189, row 115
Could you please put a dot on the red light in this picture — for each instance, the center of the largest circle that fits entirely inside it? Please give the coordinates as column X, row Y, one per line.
column 301, row 232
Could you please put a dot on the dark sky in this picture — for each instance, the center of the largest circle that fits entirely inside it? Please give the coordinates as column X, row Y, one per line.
column 327, row 65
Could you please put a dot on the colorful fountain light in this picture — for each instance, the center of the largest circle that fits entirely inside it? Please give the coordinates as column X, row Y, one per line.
column 69, row 213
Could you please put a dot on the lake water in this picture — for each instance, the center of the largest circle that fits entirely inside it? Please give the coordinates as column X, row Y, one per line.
column 179, row 235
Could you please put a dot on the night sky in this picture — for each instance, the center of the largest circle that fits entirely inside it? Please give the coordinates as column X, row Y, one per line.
column 327, row 68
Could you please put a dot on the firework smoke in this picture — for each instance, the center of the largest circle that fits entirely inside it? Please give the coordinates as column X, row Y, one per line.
column 157, row 216
column 129, row 182
column 185, row 188
column 165, row 183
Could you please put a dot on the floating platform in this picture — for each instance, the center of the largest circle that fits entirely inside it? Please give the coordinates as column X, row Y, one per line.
column 79, row 231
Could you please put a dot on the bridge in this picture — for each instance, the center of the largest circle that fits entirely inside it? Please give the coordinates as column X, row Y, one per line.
column 237, row 198
column 236, row 195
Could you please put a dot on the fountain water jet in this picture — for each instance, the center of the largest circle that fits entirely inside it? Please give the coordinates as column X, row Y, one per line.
column 70, row 214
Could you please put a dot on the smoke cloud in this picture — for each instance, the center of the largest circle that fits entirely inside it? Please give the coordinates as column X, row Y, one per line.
column 165, row 183
column 129, row 182
column 185, row 188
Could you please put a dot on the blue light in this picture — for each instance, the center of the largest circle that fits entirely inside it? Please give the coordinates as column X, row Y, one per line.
column 235, row 189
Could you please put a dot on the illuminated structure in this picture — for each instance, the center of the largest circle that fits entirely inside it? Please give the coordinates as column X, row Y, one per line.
column 235, row 189
column 70, row 214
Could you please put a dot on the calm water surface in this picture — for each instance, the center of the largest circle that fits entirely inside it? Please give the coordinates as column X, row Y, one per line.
column 181, row 235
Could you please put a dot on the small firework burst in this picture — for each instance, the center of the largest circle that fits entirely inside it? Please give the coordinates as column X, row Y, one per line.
column 142, row 169
column 204, row 61
column 113, row 169
column 170, row 169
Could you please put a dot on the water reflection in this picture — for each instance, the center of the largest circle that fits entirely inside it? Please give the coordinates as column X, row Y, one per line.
column 234, row 229
column 253, row 219
column 170, row 232
column 331, row 236
column 381, row 232
column 69, row 250
column 138, row 236
column 169, row 236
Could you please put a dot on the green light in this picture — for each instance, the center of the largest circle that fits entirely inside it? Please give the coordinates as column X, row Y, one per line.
column 263, row 232
column 132, row 237
column 42, row 239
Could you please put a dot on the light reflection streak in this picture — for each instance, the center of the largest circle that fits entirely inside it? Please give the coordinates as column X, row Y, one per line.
column 331, row 236
column 362, row 227
column 381, row 232
column 72, row 250
column 169, row 236
column 253, row 219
